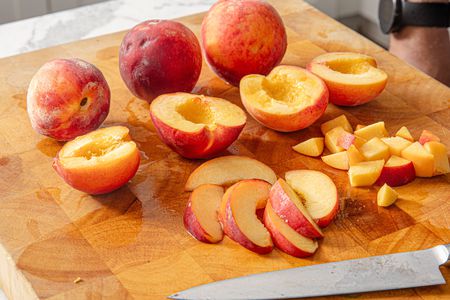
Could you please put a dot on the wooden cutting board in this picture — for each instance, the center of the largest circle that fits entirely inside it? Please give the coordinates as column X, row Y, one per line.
column 131, row 243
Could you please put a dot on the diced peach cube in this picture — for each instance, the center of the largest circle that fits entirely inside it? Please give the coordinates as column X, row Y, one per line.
column 423, row 160
column 337, row 160
column 439, row 152
column 427, row 136
column 373, row 130
column 396, row 144
column 386, row 196
column 345, row 140
column 404, row 133
column 354, row 156
column 359, row 141
column 375, row 149
column 340, row 121
column 359, row 126
column 365, row 173
column 311, row 147
column 331, row 139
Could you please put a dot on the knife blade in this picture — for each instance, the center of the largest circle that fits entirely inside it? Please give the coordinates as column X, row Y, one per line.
column 377, row 273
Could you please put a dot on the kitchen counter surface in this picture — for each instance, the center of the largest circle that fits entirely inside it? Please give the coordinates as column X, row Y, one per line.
column 90, row 21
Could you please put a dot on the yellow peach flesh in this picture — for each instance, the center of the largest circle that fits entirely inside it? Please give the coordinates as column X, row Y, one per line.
column 105, row 145
column 244, row 200
column 285, row 91
column 191, row 113
column 348, row 68
column 205, row 202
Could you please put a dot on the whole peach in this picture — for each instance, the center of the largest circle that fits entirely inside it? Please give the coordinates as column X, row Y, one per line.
column 158, row 57
column 243, row 37
column 67, row 98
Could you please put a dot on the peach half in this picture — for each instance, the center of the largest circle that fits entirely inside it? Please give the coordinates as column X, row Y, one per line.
column 288, row 99
column 352, row 78
column 196, row 126
column 98, row 162
column 201, row 215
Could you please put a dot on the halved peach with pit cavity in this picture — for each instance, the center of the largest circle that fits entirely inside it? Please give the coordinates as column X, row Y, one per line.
column 288, row 99
column 98, row 162
column 196, row 126
column 352, row 78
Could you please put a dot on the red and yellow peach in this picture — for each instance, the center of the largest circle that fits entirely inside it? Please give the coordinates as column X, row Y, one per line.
column 67, row 98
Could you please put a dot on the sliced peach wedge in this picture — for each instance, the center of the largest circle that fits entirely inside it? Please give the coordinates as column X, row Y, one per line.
column 226, row 170
column 288, row 99
column 196, row 126
column 289, row 207
column 318, row 191
column 241, row 223
column 352, row 78
column 286, row 238
column 98, row 162
column 200, row 217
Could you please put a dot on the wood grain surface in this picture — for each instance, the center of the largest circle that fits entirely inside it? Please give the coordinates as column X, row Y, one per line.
column 131, row 244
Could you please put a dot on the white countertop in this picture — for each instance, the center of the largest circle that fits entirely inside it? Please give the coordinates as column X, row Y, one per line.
column 89, row 21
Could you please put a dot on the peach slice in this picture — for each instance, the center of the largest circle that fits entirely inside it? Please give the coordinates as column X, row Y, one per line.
column 318, row 191
column 196, row 126
column 337, row 160
column 286, row 238
column 312, row 147
column 439, row 152
column 427, row 136
column 288, row 99
column 241, row 223
column 331, row 139
column 365, row 173
column 397, row 171
column 354, row 156
column 288, row 206
column 373, row 130
column 404, row 133
column 423, row 160
column 386, row 196
column 98, row 162
column 375, row 149
column 200, row 217
column 396, row 144
column 340, row 121
column 260, row 205
column 227, row 170
column 352, row 78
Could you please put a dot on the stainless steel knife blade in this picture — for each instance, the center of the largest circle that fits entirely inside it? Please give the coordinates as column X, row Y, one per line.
column 377, row 273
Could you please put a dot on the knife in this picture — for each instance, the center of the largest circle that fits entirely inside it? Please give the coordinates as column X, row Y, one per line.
column 377, row 273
